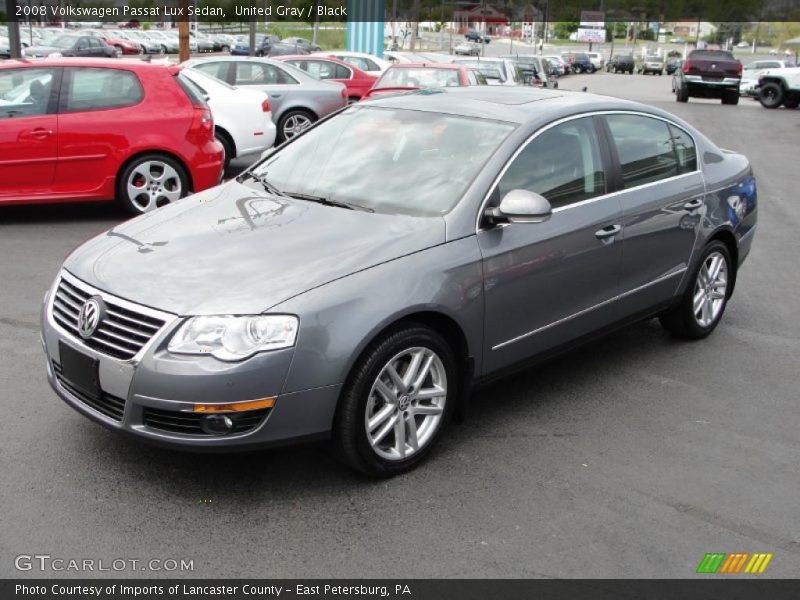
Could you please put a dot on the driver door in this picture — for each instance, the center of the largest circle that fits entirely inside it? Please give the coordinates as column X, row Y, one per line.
column 551, row 282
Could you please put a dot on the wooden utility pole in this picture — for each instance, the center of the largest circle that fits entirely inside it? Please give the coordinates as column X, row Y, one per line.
column 14, row 42
column 183, row 30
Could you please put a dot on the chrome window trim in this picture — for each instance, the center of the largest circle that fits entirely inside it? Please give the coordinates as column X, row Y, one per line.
column 590, row 308
column 168, row 318
column 538, row 132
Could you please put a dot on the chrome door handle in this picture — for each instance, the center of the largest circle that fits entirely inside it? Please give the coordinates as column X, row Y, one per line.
column 693, row 204
column 607, row 232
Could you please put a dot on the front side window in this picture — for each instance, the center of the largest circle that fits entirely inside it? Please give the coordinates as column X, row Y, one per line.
column 24, row 92
column 644, row 146
column 563, row 164
column 387, row 160
column 98, row 89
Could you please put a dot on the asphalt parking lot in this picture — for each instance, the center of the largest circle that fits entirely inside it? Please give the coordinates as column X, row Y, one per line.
column 631, row 457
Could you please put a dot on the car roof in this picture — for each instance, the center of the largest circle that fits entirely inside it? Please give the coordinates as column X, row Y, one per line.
column 517, row 105
column 428, row 65
column 107, row 63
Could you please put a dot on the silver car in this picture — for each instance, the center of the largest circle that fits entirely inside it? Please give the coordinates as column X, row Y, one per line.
column 359, row 280
column 297, row 99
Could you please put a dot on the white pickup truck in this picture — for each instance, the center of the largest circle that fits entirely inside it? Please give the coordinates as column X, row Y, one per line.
column 778, row 87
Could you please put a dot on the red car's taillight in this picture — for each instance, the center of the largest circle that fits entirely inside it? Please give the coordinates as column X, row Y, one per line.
column 739, row 69
column 265, row 107
column 344, row 93
column 202, row 119
column 686, row 66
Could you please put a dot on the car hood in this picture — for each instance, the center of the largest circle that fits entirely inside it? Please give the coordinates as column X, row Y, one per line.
column 238, row 250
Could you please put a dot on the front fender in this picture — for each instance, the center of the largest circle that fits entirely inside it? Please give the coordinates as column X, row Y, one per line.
column 338, row 320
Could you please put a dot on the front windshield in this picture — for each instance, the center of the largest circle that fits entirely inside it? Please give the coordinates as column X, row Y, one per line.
column 418, row 77
column 63, row 41
column 387, row 160
column 490, row 70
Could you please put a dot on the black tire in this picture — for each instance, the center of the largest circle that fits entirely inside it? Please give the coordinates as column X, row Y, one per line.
column 227, row 147
column 771, row 94
column 349, row 430
column 129, row 203
column 791, row 103
column 280, row 137
column 731, row 98
column 681, row 320
column 682, row 94
column 225, row 49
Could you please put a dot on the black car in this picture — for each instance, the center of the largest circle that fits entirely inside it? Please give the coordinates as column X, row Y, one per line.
column 473, row 35
column 72, row 45
column 621, row 63
column 673, row 64
column 579, row 63
column 242, row 45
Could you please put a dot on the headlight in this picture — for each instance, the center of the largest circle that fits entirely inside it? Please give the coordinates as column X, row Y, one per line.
column 233, row 338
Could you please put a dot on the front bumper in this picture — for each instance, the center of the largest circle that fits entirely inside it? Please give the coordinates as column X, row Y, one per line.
column 152, row 395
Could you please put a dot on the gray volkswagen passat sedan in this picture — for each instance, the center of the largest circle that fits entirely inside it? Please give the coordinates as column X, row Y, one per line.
column 359, row 279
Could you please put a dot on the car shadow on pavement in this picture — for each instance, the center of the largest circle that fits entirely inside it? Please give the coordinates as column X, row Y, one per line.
column 526, row 404
column 62, row 213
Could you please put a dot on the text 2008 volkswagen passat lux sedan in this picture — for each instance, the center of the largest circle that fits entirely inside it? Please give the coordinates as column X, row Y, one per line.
column 356, row 282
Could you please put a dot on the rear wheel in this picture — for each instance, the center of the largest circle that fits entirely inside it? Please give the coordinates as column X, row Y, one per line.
column 771, row 95
column 702, row 305
column 228, row 149
column 682, row 94
column 151, row 181
column 293, row 123
column 396, row 403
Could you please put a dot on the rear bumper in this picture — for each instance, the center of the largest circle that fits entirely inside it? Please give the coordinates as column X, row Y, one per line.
column 206, row 166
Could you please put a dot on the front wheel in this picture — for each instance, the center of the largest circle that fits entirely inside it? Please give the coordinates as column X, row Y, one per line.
column 397, row 401
column 702, row 305
column 730, row 97
column 682, row 94
column 151, row 181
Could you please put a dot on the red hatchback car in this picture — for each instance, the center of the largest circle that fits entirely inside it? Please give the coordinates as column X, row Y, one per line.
column 403, row 77
column 356, row 81
column 94, row 129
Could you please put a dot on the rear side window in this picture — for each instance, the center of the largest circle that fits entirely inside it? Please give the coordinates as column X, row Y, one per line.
column 25, row 92
column 645, row 150
column 253, row 73
column 684, row 150
column 100, row 89
column 218, row 70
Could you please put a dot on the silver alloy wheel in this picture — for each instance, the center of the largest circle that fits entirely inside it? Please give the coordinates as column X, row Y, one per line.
column 710, row 289
column 295, row 124
column 406, row 403
column 153, row 183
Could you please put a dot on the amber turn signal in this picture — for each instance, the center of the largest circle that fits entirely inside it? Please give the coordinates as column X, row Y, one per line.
column 235, row 406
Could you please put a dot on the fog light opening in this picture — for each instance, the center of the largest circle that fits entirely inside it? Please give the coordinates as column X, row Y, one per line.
column 216, row 424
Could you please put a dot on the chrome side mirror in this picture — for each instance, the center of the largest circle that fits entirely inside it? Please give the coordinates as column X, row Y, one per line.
column 520, row 206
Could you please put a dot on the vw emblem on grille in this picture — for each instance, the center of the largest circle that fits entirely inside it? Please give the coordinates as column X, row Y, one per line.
column 89, row 317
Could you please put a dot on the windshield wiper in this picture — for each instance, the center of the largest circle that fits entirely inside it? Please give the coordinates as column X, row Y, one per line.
column 263, row 181
column 329, row 202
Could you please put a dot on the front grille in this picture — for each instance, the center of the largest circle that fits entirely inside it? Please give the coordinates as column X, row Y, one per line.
column 121, row 333
column 110, row 406
column 188, row 423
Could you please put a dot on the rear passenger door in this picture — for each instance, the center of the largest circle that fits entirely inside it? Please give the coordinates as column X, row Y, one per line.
column 662, row 193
